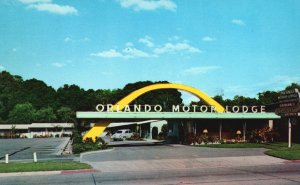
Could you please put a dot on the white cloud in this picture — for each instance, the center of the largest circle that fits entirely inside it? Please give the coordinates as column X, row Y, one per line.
column 238, row 22
column 126, row 53
column 2, row 68
column 58, row 64
column 129, row 44
column 174, row 38
column 130, row 51
column 286, row 79
column 200, row 70
column 68, row 39
column 233, row 90
column 147, row 41
column 35, row 1
column 138, row 5
column 279, row 81
column 134, row 53
column 275, row 83
column 208, row 39
column 108, row 54
column 169, row 48
column 54, row 8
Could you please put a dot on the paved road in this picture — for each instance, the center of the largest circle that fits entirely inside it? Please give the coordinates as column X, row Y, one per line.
column 21, row 149
column 287, row 174
column 174, row 165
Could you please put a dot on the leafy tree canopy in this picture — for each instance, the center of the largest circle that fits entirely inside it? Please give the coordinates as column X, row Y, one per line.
column 45, row 115
column 22, row 114
column 33, row 100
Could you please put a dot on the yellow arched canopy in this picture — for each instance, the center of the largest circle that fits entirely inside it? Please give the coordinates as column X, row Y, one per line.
column 201, row 95
column 100, row 127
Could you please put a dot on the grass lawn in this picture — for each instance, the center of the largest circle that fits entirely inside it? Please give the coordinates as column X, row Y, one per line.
column 41, row 166
column 279, row 150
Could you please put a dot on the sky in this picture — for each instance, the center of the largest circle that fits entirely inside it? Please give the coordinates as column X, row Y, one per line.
column 232, row 47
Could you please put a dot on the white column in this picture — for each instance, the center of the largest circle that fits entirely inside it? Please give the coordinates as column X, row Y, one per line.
column 189, row 125
column 141, row 130
column 244, row 131
column 271, row 124
column 220, row 130
column 6, row 158
column 290, row 133
column 34, row 157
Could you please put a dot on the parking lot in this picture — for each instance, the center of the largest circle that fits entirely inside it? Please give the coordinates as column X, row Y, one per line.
column 22, row 149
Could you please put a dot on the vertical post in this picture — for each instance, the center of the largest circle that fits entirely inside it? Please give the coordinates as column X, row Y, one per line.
column 34, row 157
column 6, row 158
column 244, row 131
column 140, row 130
column 290, row 133
column 220, row 130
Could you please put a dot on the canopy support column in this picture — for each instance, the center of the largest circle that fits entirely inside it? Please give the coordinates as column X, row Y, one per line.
column 244, row 131
column 220, row 129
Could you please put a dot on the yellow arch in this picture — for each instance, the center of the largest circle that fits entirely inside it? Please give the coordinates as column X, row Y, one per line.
column 100, row 127
column 201, row 95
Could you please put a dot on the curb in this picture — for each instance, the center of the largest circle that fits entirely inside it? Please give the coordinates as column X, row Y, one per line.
column 292, row 161
column 38, row 173
column 93, row 152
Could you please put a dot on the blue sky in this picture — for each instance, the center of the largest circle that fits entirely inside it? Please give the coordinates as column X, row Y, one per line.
column 220, row 47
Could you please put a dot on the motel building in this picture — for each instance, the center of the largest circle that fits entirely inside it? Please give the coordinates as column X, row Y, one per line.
column 225, row 123
column 36, row 130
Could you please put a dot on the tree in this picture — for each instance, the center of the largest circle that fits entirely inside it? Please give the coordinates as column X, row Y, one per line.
column 241, row 100
column 45, row 115
column 65, row 114
column 38, row 93
column 268, row 97
column 22, row 114
column 165, row 97
column 293, row 86
column 10, row 93
column 107, row 96
column 219, row 99
column 71, row 96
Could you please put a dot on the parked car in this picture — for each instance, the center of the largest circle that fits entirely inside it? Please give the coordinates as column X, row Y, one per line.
column 121, row 135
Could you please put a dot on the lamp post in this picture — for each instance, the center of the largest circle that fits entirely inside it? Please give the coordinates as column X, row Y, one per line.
column 238, row 133
column 205, row 137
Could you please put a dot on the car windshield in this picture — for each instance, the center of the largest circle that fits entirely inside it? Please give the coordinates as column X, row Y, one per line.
column 119, row 131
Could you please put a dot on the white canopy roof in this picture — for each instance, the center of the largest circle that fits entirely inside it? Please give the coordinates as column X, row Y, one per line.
column 130, row 123
column 35, row 125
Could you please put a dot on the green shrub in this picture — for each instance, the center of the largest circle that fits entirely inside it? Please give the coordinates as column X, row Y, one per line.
column 263, row 135
column 88, row 144
column 204, row 138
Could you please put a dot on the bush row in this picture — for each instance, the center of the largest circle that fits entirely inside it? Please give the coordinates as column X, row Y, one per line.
column 80, row 145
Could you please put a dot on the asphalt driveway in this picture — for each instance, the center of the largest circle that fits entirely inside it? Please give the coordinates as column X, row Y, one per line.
column 22, row 149
column 170, row 152
column 174, row 157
